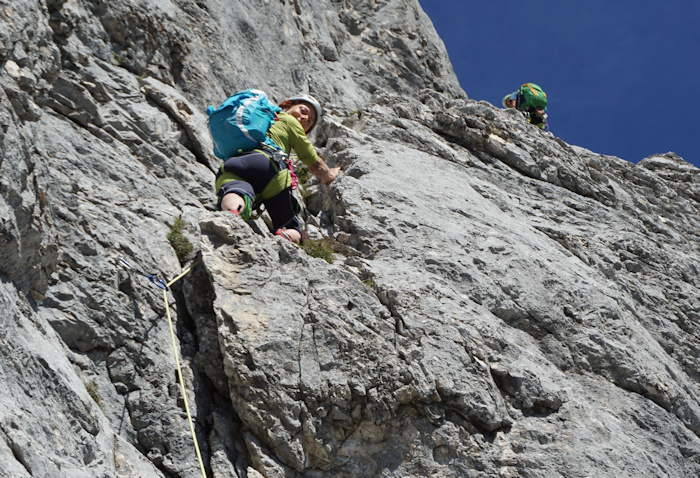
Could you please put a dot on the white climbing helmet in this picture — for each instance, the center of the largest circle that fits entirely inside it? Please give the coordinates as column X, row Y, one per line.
column 313, row 102
column 505, row 100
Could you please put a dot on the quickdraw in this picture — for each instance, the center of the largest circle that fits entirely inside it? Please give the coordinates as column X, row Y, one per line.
column 160, row 283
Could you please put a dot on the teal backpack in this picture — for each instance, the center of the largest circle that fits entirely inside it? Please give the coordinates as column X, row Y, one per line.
column 533, row 96
column 241, row 123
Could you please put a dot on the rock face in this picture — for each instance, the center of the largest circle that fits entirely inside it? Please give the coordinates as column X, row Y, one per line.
column 503, row 303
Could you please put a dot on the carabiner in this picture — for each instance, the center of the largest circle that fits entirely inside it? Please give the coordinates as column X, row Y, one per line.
column 160, row 283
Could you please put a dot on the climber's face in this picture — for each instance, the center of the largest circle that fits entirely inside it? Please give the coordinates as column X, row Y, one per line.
column 304, row 113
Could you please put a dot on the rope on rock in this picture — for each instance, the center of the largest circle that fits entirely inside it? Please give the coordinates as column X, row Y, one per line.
column 166, row 287
column 179, row 369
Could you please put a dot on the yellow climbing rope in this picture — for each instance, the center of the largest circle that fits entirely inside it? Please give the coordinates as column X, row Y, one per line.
column 166, row 287
column 179, row 369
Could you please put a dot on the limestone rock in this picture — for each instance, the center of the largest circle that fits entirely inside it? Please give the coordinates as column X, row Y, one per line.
column 501, row 303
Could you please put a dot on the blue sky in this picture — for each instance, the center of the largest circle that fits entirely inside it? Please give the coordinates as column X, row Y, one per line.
column 622, row 77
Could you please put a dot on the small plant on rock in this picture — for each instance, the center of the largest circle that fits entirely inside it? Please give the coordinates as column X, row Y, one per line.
column 370, row 283
column 325, row 248
column 93, row 391
column 178, row 241
column 321, row 248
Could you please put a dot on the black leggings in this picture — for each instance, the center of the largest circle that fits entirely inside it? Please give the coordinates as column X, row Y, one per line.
column 256, row 171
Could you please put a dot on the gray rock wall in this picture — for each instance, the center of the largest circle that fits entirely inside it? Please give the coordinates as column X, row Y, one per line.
column 503, row 304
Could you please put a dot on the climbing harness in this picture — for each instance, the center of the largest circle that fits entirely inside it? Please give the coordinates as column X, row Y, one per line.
column 283, row 161
column 166, row 287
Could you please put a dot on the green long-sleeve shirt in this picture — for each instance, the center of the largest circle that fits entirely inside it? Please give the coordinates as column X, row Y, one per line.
column 289, row 135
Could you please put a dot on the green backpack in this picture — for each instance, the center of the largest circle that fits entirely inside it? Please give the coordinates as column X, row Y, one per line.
column 533, row 96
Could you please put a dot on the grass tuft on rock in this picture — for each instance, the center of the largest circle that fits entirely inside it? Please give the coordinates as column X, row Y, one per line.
column 321, row 248
column 178, row 241
column 93, row 391
column 325, row 248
